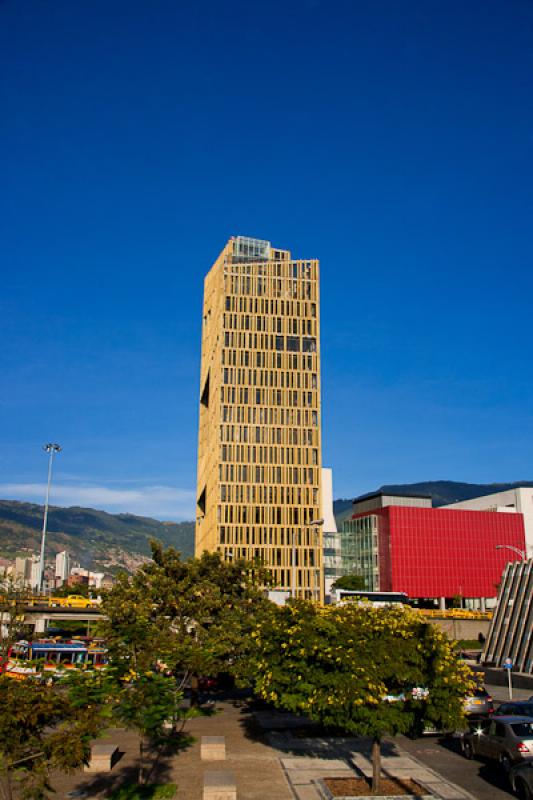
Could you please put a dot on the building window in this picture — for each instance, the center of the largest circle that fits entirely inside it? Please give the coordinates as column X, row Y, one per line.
column 293, row 344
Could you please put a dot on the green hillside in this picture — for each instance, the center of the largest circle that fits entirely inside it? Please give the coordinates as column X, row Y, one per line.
column 442, row 493
column 94, row 538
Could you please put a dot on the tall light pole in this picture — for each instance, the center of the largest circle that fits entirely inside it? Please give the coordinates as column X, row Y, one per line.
column 516, row 550
column 51, row 449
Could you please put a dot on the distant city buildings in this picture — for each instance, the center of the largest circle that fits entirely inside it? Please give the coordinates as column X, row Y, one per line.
column 26, row 572
column 402, row 544
column 23, row 573
column 62, row 567
column 259, row 444
column 86, row 576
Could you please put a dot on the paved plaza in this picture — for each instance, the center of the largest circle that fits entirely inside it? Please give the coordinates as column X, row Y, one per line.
column 271, row 756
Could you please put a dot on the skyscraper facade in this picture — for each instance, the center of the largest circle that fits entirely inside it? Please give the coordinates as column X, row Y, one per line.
column 259, row 445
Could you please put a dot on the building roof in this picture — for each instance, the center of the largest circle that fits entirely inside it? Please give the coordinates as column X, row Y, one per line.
column 373, row 495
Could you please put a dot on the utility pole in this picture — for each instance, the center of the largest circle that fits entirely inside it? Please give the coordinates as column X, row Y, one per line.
column 315, row 526
column 51, row 449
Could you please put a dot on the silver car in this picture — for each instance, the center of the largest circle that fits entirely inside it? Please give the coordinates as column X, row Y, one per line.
column 521, row 780
column 507, row 740
column 480, row 703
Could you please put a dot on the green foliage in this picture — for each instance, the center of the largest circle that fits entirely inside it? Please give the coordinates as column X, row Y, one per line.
column 175, row 618
column 42, row 729
column 145, row 702
column 468, row 644
column 65, row 591
column 150, row 791
column 192, row 616
column 12, row 603
column 347, row 666
column 350, row 583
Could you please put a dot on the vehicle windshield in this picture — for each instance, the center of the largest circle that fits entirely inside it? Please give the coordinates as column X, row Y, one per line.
column 522, row 728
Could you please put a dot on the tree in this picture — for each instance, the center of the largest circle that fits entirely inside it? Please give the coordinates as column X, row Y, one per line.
column 42, row 728
column 368, row 671
column 12, row 603
column 146, row 702
column 350, row 582
column 173, row 621
column 78, row 588
column 192, row 616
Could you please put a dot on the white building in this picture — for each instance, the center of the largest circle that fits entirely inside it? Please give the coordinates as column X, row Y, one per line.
column 26, row 572
column 35, row 574
column 22, row 573
column 331, row 541
column 518, row 500
column 62, row 567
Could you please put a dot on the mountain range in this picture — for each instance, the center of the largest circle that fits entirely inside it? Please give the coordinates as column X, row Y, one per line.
column 98, row 540
column 109, row 542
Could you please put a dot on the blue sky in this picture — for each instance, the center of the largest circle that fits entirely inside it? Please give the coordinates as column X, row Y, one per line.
column 393, row 141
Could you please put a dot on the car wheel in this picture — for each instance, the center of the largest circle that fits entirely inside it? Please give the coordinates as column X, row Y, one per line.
column 523, row 792
column 468, row 751
column 505, row 762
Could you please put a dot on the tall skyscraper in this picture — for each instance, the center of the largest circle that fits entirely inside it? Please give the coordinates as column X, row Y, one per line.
column 259, row 444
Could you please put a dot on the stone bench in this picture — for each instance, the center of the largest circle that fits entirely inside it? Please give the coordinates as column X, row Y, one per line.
column 102, row 758
column 213, row 748
column 219, row 786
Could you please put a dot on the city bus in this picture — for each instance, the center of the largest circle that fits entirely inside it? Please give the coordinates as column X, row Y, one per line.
column 32, row 659
column 374, row 598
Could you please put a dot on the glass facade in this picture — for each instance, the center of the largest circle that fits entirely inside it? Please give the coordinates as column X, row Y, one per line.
column 360, row 550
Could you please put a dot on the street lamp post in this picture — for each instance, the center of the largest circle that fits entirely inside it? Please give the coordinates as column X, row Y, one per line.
column 315, row 525
column 51, row 449
column 516, row 550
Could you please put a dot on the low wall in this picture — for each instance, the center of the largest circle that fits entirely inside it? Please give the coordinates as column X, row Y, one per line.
column 497, row 676
column 462, row 628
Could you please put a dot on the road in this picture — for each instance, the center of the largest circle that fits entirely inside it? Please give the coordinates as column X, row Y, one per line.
column 482, row 779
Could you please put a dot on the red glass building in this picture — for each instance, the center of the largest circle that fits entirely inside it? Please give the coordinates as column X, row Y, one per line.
column 433, row 552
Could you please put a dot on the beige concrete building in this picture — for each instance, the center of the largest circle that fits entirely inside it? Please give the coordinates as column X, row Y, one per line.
column 259, row 448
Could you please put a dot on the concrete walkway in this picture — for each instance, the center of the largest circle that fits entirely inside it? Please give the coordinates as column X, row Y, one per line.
column 314, row 757
column 270, row 754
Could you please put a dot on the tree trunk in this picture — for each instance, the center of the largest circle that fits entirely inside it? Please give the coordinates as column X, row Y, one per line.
column 141, row 761
column 6, row 790
column 376, row 765
column 194, row 691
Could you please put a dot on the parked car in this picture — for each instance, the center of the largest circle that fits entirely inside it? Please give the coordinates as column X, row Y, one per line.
column 521, row 780
column 507, row 740
column 480, row 703
column 522, row 708
column 205, row 684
